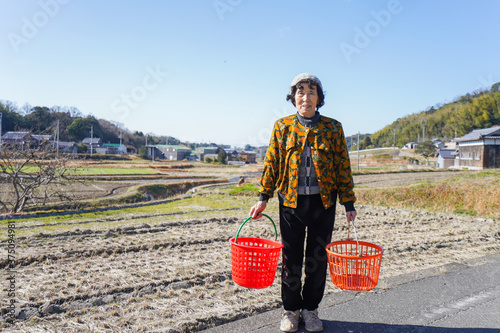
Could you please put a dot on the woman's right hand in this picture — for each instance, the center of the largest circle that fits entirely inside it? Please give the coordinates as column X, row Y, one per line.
column 257, row 209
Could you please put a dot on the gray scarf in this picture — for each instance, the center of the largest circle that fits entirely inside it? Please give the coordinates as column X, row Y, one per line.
column 309, row 122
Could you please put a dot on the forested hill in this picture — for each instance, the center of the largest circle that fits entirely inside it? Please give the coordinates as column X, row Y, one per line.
column 445, row 122
column 73, row 125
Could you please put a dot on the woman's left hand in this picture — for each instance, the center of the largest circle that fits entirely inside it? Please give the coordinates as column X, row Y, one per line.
column 351, row 216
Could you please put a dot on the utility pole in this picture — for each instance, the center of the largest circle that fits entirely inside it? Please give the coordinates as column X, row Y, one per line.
column 57, row 138
column 423, row 131
column 358, row 150
column 394, row 139
column 121, row 152
column 91, row 138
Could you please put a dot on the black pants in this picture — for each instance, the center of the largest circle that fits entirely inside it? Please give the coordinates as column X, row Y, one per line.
column 310, row 221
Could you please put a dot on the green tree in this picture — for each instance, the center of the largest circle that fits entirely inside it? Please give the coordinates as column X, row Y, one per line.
column 143, row 152
column 80, row 128
column 39, row 119
column 367, row 141
column 64, row 119
column 81, row 148
column 248, row 147
column 11, row 120
column 426, row 149
column 222, row 156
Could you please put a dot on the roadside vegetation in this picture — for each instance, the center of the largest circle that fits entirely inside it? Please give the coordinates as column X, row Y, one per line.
column 475, row 194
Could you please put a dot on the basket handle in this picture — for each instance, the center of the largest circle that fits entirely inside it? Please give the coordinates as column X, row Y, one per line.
column 355, row 233
column 248, row 218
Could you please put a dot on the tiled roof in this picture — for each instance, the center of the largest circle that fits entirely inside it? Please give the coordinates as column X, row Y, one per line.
column 15, row 135
column 447, row 153
column 42, row 137
column 65, row 144
column 479, row 134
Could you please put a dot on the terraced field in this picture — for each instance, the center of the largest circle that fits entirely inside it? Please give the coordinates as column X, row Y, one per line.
column 167, row 267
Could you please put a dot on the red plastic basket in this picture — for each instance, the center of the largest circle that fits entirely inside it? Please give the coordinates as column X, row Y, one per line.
column 354, row 265
column 254, row 260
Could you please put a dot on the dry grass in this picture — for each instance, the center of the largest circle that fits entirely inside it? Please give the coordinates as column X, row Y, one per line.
column 168, row 267
column 474, row 194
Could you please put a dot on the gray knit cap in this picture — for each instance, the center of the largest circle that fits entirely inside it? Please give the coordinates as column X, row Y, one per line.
column 306, row 77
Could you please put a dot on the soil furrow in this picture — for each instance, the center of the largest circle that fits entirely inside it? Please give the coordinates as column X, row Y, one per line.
column 128, row 230
column 80, row 302
column 109, row 251
column 119, row 219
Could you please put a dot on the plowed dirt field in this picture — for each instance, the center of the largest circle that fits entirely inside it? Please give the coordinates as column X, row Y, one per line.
column 167, row 268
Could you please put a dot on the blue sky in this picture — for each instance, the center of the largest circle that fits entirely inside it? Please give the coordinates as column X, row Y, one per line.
column 219, row 70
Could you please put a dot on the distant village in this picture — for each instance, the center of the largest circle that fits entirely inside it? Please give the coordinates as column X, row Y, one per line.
column 155, row 151
column 479, row 149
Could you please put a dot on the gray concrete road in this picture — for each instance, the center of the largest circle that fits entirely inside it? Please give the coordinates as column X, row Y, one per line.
column 459, row 298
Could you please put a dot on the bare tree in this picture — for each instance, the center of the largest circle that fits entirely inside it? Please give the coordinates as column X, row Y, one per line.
column 26, row 109
column 31, row 173
column 74, row 112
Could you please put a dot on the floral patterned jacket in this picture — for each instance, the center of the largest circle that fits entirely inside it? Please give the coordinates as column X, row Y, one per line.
column 329, row 154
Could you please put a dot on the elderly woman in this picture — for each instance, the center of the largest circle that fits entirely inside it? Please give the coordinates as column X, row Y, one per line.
column 307, row 163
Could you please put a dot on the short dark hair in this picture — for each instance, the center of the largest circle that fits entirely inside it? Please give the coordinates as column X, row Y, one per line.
column 293, row 91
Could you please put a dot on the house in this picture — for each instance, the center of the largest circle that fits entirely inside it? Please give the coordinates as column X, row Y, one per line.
column 26, row 139
column 480, row 149
column 115, row 148
column 41, row 137
column 201, row 152
column 450, row 145
column 102, row 150
column 92, row 144
column 249, row 156
column 446, row 158
column 16, row 138
column 231, row 153
column 131, row 149
column 410, row 145
column 65, row 147
column 168, row 152
column 438, row 143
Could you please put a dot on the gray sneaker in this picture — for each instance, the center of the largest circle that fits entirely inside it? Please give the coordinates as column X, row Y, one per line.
column 290, row 321
column 312, row 321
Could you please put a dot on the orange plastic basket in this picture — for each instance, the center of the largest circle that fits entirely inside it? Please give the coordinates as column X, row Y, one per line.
column 354, row 265
column 254, row 260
